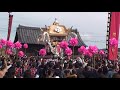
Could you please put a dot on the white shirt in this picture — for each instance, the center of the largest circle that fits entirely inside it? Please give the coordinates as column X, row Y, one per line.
column 57, row 77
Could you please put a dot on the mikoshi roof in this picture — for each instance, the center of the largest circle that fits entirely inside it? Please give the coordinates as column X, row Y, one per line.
column 29, row 35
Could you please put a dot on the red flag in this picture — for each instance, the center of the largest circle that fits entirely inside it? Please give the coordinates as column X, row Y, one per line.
column 9, row 26
column 114, row 33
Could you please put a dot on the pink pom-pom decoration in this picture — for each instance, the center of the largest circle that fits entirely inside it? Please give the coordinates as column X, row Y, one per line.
column 68, row 51
column 42, row 52
column 63, row 44
column 3, row 42
column 21, row 54
column 0, row 46
column 113, row 42
column 86, row 52
column 25, row 46
column 81, row 49
column 101, row 52
column 8, row 51
column 90, row 54
column 18, row 45
column 73, row 41
column 10, row 44
column 93, row 49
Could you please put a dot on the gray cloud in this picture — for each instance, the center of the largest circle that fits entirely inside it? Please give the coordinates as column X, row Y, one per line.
column 93, row 24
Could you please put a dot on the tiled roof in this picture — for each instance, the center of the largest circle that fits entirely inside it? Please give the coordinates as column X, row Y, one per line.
column 26, row 34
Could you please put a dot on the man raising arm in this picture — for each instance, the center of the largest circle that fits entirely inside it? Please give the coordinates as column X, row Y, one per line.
column 3, row 71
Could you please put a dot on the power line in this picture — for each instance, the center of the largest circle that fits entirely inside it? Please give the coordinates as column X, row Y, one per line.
column 5, row 28
column 93, row 36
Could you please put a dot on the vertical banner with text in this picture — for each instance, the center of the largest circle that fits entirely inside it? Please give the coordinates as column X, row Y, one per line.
column 114, row 33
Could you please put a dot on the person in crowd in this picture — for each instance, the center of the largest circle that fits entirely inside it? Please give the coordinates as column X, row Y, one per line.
column 57, row 70
column 31, row 67
column 88, row 72
column 105, row 70
column 111, row 72
column 4, row 69
column 27, row 74
column 41, row 72
column 116, row 75
column 100, row 73
column 67, row 73
column 33, row 70
column 10, row 73
column 74, row 74
column 79, row 69
column 18, row 69
column 50, row 73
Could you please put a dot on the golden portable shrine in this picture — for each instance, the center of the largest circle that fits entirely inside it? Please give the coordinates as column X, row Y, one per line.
column 48, row 37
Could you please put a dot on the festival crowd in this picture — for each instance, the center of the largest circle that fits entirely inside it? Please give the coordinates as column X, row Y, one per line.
column 91, row 62
column 31, row 67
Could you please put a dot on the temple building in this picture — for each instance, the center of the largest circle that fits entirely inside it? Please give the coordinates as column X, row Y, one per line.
column 47, row 37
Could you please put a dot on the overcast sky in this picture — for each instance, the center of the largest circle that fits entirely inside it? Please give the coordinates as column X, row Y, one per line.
column 92, row 26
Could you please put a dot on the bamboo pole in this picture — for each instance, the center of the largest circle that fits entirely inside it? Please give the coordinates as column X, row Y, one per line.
column 73, row 52
column 94, row 61
column 25, row 51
